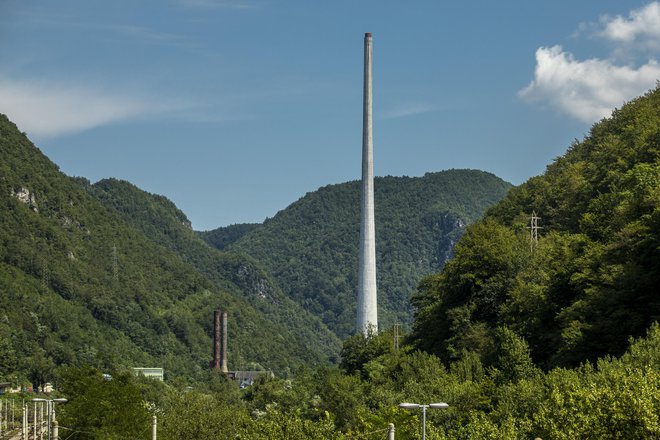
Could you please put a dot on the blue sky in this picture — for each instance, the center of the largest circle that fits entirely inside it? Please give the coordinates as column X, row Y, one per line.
column 234, row 109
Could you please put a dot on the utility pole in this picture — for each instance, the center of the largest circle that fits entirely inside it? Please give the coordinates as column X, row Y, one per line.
column 24, row 423
column 390, row 431
column 154, row 427
column 34, row 420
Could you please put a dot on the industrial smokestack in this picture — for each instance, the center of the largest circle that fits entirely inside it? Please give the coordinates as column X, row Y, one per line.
column 367, row 309
column 215, row 363
column 219, row 361
column 223, row 347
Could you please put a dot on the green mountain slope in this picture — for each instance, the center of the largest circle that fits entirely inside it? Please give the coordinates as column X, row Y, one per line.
column 311, row 247
column 83, row 282
column 222, row 238
column 160, row 220
column 592, row 279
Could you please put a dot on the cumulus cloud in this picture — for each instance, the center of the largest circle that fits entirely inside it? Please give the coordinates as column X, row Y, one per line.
column 589, row 90
column 50, row 110
column 642, row 26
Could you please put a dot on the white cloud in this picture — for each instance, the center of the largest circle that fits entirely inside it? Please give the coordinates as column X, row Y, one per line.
column 587, row 90
column 49, row 110
column 408, row 109
column 642, row 27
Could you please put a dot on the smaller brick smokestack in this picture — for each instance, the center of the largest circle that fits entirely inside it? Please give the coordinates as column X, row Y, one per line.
column 223, row 346
column 215, row 363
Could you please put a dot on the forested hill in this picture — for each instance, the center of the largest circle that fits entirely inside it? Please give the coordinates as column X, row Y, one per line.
column 108, row 275
column 161, row 221
column 592, row 279
column 221, row 238
column 311, row 247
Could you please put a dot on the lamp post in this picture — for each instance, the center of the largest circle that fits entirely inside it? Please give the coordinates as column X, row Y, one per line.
column 51, row 410
column 407, row 405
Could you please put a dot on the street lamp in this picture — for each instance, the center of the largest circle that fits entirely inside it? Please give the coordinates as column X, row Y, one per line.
column 51, row 409
column 407, row 405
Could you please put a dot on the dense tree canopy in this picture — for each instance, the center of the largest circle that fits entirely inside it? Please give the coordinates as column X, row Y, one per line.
column 108, row 275
column 591, row 280
column 311, row 247
column 556, row 338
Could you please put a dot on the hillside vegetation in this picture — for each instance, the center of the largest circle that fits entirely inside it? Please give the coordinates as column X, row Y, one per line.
column 615, row 398
column 161, row 221
column 311, row 247
column 554, row 338
column 592, row 279
column 107, row 275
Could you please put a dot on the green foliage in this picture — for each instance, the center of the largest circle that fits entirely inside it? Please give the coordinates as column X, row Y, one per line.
column 8, row 356
column 193, row 415
column 300, row 335
column 275, row 425
column 458, row 308
column 479, row 426
column 222, row 237
column 107, row 275
column 513, row 361
column 618, row 399
column 614, row 398
column 108, row 409
column 40, row 369
column 591, row 280
column 286, row 395
column 311, row 247
column 359, row 349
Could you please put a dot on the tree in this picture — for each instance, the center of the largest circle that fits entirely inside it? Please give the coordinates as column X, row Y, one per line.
column 459, row 308
column 40, row 368
column 359, row 349
column 194, row 415
column 108, row 408
column 513, row 361
column 8, row 358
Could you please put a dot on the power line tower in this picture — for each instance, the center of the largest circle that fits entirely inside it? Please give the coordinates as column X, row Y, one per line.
column 534, row 230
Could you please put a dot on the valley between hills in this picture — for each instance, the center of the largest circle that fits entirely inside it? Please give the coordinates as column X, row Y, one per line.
column 555, row 337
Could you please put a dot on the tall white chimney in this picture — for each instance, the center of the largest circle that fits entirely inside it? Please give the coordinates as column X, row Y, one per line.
column 367, row 309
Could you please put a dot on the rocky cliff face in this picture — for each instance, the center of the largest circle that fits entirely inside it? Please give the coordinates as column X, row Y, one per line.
column 24, row 195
